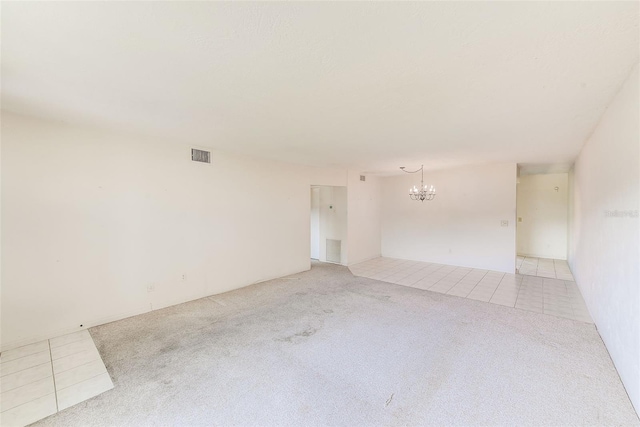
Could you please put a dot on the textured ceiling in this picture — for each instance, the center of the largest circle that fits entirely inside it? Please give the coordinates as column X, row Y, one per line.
column 372, row 86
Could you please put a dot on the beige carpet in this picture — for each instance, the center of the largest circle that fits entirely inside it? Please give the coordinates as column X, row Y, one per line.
column 327, row 348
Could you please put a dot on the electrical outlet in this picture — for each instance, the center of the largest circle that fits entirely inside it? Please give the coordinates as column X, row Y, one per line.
column 151, row 288
column 504, row 223
column 184, row 276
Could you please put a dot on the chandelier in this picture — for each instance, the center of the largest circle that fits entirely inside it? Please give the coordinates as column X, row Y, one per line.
column 425, row 192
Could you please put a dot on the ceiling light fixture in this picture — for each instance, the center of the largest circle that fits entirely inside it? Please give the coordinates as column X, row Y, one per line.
column 425, row 192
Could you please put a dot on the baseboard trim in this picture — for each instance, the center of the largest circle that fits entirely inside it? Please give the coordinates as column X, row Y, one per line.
column 64, row 331
column 543, row 256
column 121, row 316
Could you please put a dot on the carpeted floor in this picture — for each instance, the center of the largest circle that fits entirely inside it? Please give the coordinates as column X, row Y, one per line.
column 327, row 348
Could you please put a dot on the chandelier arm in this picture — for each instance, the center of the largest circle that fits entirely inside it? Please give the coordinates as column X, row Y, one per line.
column 423, row 193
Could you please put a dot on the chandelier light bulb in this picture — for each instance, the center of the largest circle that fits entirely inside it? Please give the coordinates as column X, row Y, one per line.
column 424, row 192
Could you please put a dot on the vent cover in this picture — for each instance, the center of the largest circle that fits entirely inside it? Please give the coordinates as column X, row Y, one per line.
column 334, row 252
column 200, row 156
column 363, row 178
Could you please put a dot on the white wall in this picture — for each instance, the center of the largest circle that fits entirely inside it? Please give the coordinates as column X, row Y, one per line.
column 92, row 219
column 603, row 254
column 330, row 177
column 364, row 217
column 544, row 213
column 461, row 226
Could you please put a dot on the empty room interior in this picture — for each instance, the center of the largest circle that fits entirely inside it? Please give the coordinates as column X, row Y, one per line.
column 320, row 213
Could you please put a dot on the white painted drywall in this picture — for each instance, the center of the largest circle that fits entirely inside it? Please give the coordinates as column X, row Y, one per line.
column 603, row 254
column 544, row 213
column 91, row 220
column 330, row 177
column 333, row 220
column 315, row 223
column 364, row 217
column 461, row 226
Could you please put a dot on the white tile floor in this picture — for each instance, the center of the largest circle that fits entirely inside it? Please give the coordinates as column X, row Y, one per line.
column 551, row 296
column 544, row 267
column 40, row 379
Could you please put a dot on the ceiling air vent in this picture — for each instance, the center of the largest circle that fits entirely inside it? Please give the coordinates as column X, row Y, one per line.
column 363, row 178
column 200, row 156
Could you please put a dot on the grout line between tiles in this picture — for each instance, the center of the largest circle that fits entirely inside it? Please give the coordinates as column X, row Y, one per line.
column 494, row 291
column 476, row 285
column 440, row 279
column 85, row 380
column 39, row 379
column 21, row 370
column 517, row 296
column 25, row 403
column 21, row 357
column 73, row 342
column 76, row 352
column 55, row 389
column 85, row 363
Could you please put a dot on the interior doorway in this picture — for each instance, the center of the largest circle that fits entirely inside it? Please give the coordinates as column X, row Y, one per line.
column 542, row 206
column 315, row 223
column 328, row 224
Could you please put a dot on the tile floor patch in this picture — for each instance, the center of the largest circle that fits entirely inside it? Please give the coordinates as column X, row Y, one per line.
column 27, row 376
column 549, row 289
column 33, row 386
column 70, row 338
column 26, row 362
column 72, row 348
column 74, row 360
column 83, row 390
column 26, row 393
column 26, row 350
column 543, row 267
column 29, row 412
column 77, row 375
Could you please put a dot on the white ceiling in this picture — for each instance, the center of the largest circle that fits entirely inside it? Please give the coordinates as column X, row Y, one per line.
column 372, row 86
